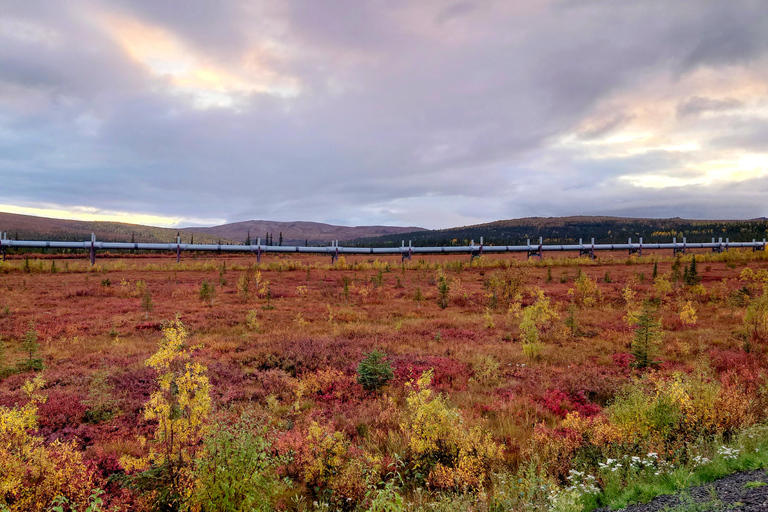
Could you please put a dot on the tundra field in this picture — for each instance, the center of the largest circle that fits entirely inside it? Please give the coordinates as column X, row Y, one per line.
column 438, row 384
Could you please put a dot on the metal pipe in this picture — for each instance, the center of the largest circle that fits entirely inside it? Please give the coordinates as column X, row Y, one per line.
column 336, row 250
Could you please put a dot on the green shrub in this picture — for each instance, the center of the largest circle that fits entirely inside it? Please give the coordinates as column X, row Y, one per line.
column 100, row 402
column 373, row 371
column 207, row 292
column 30, row 346
column 236, row 468
column 443, row 289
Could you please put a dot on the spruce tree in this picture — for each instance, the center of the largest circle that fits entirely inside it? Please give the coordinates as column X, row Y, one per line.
column 647, row 334
column 691, row 276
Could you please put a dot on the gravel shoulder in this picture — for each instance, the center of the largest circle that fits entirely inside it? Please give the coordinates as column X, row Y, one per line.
column 737, row 492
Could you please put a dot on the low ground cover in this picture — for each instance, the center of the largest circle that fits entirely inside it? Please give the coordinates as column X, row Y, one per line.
column 435, row 384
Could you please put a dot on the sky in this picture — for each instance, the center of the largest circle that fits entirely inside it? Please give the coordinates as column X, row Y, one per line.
column 431, row 113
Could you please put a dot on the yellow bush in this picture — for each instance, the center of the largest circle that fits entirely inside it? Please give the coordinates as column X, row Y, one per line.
column 688, row 314
column 32, row 475
column 451, row 455
column 181, row 407
column 586, row 291
column 325, row 453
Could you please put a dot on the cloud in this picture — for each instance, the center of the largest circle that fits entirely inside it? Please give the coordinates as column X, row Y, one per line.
column 698, row 105
column 429, row 113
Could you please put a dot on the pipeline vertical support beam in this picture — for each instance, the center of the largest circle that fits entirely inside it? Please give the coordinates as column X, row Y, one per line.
column 640, row 251
column 406, row 255
column 335, row 252
column 258, row 251
column 2, row 249
column 587, row 252
column 677, row 250
column 481, row 246
column 178, row 249
column 93, row 249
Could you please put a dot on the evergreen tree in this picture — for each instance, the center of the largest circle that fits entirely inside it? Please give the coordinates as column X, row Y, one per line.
column 280, row 239
column 206, row 292
column 248, row 238
column 30, row 346
column 146, row 304
column 443, row 290
column 647, row 334
column 691, row 275
column 676, row 270
column 374, row 371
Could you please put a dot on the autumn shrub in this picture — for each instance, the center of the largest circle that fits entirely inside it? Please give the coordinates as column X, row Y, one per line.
column 559, row 446
column 669, row 412
column 756, row 316
column 327, row 385
column 322, row 456
column 585, row 292
column 505, row 286
column 180, row 407
column 101, row 404
column 688, row 314
column 534, row 318
column 235, row 469
column 33, row 475
column 442, row 450
column 447, row 373
column 561, row 403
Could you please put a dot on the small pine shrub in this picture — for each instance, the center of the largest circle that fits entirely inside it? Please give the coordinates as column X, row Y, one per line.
column 443, row 290
column 207, row 292
column 374, row 371
column 647, row 335
column 30, row 346
column 146, row 304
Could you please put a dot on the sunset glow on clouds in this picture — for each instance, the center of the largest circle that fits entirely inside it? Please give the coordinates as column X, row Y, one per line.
column 436, row 113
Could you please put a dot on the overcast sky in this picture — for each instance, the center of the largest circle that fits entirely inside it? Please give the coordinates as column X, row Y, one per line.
column 424, row 113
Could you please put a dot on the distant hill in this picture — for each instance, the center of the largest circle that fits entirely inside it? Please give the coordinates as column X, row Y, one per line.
column 28, row 227
column 567, row 230
column 296, row 233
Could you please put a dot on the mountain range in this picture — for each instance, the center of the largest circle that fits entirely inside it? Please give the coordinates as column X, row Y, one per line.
column 28, row 227
column 553, row 230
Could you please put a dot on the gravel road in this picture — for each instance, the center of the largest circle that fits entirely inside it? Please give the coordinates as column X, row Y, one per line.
column 737, row 492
